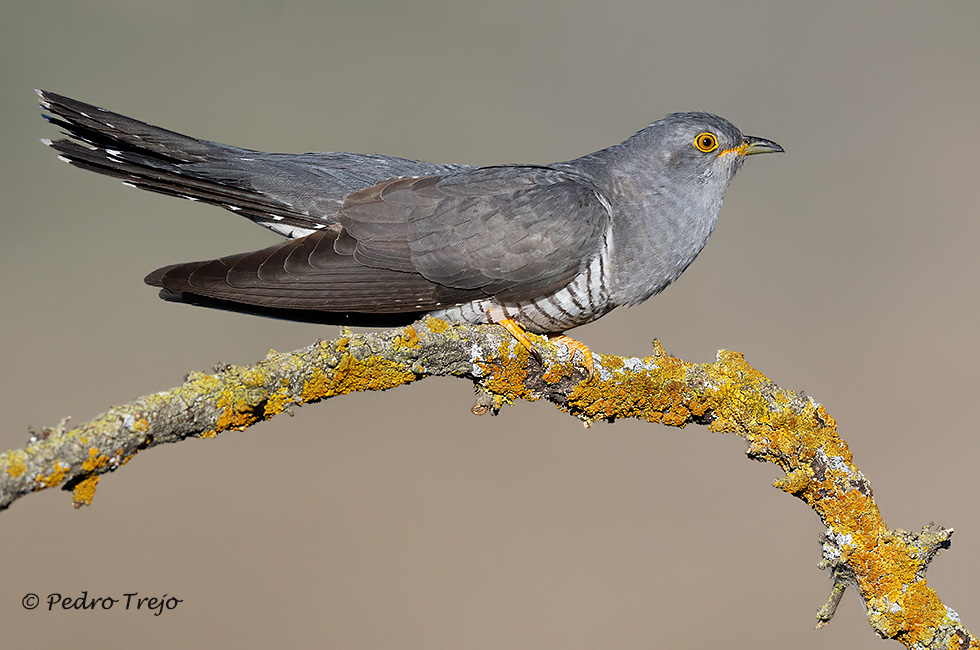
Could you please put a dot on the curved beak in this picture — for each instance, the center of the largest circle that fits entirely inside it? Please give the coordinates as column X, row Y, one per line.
column 752, row 144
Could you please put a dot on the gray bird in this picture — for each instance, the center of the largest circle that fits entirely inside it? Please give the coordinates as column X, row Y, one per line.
column 382, row 241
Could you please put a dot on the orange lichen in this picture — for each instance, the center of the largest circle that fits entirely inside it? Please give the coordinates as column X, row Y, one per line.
column 901, row 605
column 240, row 401
column 371, row 373
column 56, row 477
column 237, row 413
column 352, row 374
column 795, row 482
column 555, row 372
column 408, row 339
column 84, row 492
column 653, row 395
column 508, row 373
column 781, row 427
column 790, row 431
column 315, row 386
column 739, row 388
column 278, row 401
column 95, row 460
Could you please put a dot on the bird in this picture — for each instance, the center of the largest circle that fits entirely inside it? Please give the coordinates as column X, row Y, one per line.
column 382, row 241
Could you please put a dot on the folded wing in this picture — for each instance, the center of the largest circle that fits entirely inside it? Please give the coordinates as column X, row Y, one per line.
column 412, row 245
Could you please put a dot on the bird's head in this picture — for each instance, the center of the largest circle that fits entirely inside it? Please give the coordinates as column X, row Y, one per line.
column 701, row 148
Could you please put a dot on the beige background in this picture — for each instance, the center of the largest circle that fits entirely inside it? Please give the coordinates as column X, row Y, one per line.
column 846, row 267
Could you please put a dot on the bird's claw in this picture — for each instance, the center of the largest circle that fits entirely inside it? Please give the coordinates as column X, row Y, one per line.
column 519, row 333
column 574, row 346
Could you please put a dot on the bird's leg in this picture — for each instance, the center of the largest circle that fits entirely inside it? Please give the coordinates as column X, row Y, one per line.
column 519, row 333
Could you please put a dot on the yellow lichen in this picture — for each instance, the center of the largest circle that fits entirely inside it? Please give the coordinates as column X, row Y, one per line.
column 84, row 492
column 654, row 395
column 436, row 325
column 352, row 374
column 371, row 373
column 95, row 460
column 555, row 372
column 15, row 463
column 278, row 401
column 795, row 482
column 408, row 339
column 236, row 412
column 315, row 387
column 791, row 435
column 508, row 372
column 56, row 477
column 789, row 430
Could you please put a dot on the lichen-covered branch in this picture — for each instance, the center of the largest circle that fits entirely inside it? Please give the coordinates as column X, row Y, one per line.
column 886, row 567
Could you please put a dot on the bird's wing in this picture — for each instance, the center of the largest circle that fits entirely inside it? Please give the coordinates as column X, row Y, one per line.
column 305, row 279
column 293, row 194
column 513, row 232
column 410, row 245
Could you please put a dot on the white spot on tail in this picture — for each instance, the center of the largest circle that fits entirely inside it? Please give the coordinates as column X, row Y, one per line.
column 292, row 232
column 64, row 159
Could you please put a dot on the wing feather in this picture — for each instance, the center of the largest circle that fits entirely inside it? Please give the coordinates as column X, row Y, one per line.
column 515, row 232
column 304, row 274
column 410, row 245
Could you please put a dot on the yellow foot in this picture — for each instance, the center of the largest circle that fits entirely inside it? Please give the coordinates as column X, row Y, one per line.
column 519, row 333
column 576, row 346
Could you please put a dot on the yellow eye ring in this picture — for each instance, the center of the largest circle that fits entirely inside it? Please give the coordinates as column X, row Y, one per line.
column 706, row 142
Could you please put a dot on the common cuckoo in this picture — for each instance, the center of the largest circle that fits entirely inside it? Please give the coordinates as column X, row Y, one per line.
column 381, row 241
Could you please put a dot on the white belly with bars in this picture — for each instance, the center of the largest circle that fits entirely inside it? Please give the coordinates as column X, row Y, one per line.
column 581, row 301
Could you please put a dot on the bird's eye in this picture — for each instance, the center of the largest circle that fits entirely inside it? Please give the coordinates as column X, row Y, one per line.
column 706, row 142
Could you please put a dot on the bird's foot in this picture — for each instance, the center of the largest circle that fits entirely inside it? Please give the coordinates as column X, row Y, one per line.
column 574, row 346
column 519, row 333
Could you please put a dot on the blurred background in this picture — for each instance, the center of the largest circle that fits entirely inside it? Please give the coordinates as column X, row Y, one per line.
column 846, row 267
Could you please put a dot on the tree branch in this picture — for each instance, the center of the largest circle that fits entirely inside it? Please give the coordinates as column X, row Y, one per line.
column 887, row 567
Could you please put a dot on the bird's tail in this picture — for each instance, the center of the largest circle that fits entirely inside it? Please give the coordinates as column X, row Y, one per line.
column 160, row 160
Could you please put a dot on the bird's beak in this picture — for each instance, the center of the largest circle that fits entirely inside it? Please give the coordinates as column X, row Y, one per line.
column 752, row 144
